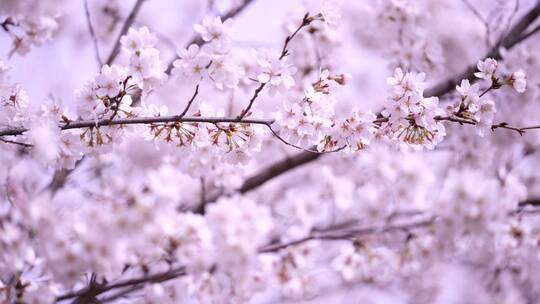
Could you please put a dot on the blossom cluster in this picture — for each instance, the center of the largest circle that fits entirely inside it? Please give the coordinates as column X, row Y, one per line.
column 310, row 119
column 145, row 66
column 408, row 205
column 228, row 142
column 411, row 116
column 29, row 23
column 13, row 99
column 482, row 110
column 216, row 64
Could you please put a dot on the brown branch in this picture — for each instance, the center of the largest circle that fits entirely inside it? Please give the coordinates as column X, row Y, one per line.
column 277, row 169
column 142, row 120
column 530, row 33
column 190, row 102
column 510, row 19
column 341, row 233
column 530, row 202
column 14, row 131
column 7, row 141
column 264, row 175
column 289, row 163
column 7, row 23
column 95, row 289
column 251, row 101
column 127, row 24
column 349, row 230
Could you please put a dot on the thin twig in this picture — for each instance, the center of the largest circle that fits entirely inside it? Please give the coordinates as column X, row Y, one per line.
column 284, row 52
column 473, row 9
column 348, row 233
column 310, row 150
column 7, row 141
column 491, row 87
column 501, row 125
column 7, row 23
column 190, row 101
column 92, row 33
column 251, row 101
column 349, row 230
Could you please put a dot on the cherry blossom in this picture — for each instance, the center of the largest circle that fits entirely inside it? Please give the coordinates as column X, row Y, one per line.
column 108, row 82
column 214, row 30
column 487, row 69
column 138, row 40
column 518, row 81
column 276, row 72
column 411, row 116
column 321, row 151
column 192, row 64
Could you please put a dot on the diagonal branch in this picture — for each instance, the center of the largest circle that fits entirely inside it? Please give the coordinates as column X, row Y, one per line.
column 284, row 52
column 277, row 169
column 483, row 20
column 514, row 37
column 92, row 33
column 338, row 233
column 7, row 141
column 127, row 24
column 97, row 289
column 190, row 102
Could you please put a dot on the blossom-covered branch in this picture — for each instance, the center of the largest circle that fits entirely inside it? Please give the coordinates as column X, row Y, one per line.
column 516, row 34
column 265, row 78
column 421, row 187
column 69, row 125
column 439, row 90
